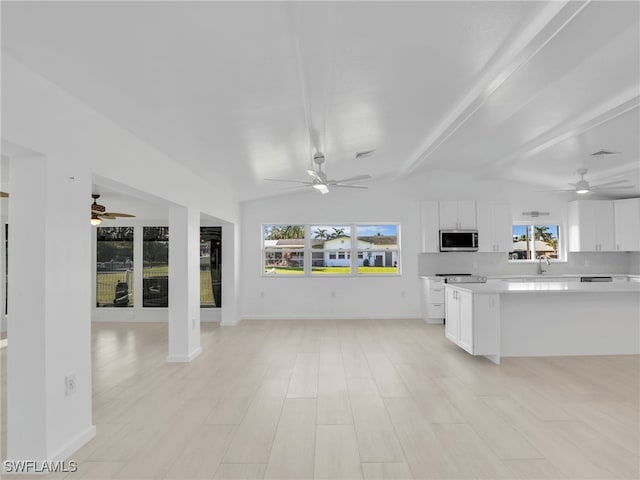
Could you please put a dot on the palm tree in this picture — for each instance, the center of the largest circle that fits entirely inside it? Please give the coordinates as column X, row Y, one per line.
column 322, row 234
column 337, row 232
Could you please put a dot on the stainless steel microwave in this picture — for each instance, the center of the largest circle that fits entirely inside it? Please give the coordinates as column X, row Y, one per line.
column 458, row 240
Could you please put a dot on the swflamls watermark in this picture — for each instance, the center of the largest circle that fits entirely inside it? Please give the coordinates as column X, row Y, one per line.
column 33, row 466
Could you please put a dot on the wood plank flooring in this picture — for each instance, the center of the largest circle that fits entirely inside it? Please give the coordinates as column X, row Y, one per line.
column 350, row 399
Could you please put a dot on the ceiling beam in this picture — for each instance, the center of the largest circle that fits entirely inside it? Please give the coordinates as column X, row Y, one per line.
column 595, row 117
column 515, row 53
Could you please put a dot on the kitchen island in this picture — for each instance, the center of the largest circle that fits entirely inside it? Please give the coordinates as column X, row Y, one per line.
column 505, row 318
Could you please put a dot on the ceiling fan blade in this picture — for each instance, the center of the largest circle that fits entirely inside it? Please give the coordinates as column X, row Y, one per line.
column 287, row 180
column 612, row 187
column 315, row 175
column 112, row 215
column 4, row 195
column 351, row 179
column 558, row 190
column 348, row 185
column 617, row 182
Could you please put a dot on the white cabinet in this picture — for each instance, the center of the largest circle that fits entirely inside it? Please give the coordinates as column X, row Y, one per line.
column 457, row 215
column 430, row 226
column 452, row 312
column 432, row 300
column 473, row 321
column 494, row 227
column 627, row 224
column 591, row 226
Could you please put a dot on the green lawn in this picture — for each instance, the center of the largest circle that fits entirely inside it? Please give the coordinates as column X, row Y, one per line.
column 106, row 285
column 333, row 270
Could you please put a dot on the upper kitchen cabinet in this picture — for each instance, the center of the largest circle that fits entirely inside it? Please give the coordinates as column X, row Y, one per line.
column 627, row 224
column 494, row 227
column 457, row 215
column 430, row 226
column 591, row 226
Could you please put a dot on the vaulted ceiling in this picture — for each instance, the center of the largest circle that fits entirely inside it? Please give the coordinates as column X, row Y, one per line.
column 514, row 91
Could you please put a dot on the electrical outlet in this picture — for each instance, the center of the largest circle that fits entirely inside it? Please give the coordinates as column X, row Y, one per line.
column 70, row 384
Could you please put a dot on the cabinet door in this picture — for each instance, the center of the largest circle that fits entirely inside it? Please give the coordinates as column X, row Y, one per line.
column 486, row 227
column 582, row 226
column 465, row 339
column 452, row 315
column 627, row 224
column 467, row 215
column 603, row 225
column 503, row 227
column 448, row 215
column 494, row 227
column 430, row 227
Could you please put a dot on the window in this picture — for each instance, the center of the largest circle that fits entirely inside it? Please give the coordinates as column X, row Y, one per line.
column 378, row 249
column 329, row 249
column 155, row 263
column 283, row 249
column 531, row 241
column 210, row 267
column 114, row 267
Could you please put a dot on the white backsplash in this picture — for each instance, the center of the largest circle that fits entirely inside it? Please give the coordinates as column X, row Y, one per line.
column 497, row 264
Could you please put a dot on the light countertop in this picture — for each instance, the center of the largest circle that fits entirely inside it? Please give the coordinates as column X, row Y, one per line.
column 506, row 287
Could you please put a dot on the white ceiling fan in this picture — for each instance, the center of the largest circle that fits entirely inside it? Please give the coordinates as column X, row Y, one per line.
column 319, row 179
column 582, row 186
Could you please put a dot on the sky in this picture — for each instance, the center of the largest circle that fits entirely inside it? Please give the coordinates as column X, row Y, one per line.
column 521, row 230
column 362, row 230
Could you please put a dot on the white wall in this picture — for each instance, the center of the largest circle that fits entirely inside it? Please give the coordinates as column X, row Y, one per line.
column 79, row 143
column 331, row 297
column 393, row 201
column 38, row 115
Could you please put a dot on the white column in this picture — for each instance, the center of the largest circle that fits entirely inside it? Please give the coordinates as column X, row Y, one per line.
column 184, row 284
column 230, row 314
column 49, row 327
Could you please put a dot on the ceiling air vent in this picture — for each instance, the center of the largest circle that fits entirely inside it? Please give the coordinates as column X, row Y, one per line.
column 603, row 153
column 365, row 154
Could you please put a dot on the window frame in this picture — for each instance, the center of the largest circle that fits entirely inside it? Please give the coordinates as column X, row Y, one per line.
column 352, row 254
column 562, row 253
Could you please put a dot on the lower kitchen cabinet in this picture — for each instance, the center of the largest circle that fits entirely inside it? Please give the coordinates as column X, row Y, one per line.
column 473, row 321
column 432, row 299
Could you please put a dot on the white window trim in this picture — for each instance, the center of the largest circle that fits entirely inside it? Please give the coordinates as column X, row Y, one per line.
column 352, row 254
column 562, row 251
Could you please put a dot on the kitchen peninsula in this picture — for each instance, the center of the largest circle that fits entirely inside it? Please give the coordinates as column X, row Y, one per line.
column 510, row 318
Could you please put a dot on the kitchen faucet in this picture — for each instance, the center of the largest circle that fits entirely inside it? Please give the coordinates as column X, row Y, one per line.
column 541, row 258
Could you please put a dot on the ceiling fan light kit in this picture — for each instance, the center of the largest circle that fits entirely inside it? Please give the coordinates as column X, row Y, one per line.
column 582, row 186
column 99, row 212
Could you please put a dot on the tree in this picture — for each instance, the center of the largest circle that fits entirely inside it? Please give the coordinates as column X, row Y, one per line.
column 278, row 232
column 322, row 234
column 337, row 232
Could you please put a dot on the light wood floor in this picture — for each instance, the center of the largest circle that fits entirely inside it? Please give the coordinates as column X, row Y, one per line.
column 352, row 399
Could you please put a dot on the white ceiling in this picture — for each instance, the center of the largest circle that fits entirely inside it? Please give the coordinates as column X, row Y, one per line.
column 514, row 91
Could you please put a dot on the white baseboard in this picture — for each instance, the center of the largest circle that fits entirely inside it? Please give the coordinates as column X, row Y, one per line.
column 332, row 317
column 74, row 445
column 184, row 358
